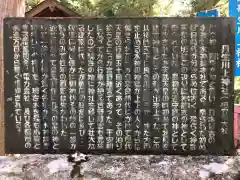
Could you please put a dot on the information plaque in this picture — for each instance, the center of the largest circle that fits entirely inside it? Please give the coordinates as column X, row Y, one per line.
column 119, row 85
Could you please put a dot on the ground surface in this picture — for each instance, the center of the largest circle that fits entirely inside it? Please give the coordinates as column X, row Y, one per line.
column 105, row 167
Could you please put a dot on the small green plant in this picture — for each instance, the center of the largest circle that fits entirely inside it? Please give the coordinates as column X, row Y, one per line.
column 237, row 96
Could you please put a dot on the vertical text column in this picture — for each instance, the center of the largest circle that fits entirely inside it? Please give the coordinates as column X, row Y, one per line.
column 54, row 90
column 91, row 86
column 119, row 86
column 213, row 56
column 35, row 88
column 184, row 84
column 44, row 85
column 156, row 85
column 63, row 85
column 82, row 86
column 128, row 87
column 165, row 86
column 27, row 101
column 137, row 88
column 193, row 87
column 72, row 76
column 175, row 102
column 203, row 85
column 100, row 87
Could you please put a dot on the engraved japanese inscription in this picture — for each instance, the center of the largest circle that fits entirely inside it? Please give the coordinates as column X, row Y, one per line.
column 126, row 85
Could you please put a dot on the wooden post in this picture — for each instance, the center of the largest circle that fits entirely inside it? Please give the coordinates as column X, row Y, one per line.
column 9, row 8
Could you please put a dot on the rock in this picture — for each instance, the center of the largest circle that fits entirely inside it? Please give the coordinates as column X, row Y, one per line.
column 105, row 167
column 203, row 174
column 216, row 168
column 58, row 165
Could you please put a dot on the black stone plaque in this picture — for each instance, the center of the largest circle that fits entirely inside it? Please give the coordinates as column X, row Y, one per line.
column 125, row 85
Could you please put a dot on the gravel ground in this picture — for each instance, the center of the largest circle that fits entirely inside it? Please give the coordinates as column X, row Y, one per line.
column 106, row 167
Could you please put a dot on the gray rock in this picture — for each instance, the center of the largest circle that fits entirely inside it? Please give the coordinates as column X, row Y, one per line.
column 105, row 167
